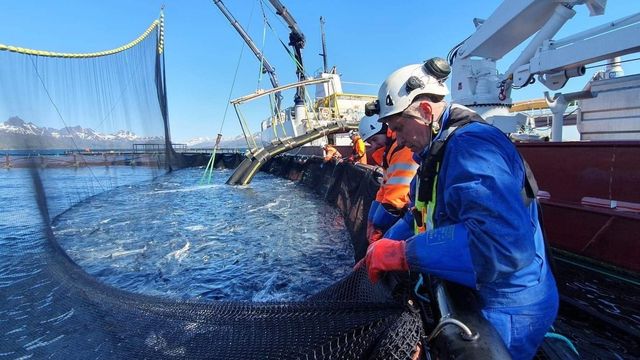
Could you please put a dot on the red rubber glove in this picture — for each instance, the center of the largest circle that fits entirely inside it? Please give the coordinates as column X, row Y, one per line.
column 385, row 255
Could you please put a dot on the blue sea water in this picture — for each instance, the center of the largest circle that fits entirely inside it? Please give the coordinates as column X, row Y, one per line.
column 271, row 240
column 140, row 230
column 143, row 231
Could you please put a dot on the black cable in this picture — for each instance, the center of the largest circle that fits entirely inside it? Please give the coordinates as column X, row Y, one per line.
column 550, row 260
column 454, row 51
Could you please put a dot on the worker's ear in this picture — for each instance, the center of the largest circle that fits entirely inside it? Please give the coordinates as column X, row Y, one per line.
column 426, row 112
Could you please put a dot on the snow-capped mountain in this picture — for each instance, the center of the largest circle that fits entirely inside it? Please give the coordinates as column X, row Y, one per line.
column 209, row 142
column 201, row 142
column 16, row 133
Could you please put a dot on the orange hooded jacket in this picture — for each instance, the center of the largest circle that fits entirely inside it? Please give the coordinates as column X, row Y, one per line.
column 330, row 153
column 359, row 152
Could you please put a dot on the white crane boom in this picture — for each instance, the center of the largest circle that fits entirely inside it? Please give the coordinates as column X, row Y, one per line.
column 477, row 83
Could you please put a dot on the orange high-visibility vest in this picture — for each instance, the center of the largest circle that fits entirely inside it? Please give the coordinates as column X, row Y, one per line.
column 397, row 177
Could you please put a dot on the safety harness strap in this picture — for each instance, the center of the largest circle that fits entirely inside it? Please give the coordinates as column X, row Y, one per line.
column 428, row 170
column 530, row 188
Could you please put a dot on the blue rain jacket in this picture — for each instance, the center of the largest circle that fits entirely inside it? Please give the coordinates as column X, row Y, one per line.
column 375, row 204
column 484, row 236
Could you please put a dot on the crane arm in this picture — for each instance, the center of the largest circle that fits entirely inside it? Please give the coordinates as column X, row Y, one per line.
column 475, row 79
column 510, row 24
column 557, row 61
column 266, row 66
column 297, row 41
column 296, row 37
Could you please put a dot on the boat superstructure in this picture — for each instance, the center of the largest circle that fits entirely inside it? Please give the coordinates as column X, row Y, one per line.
column 331, row 104
column 590, row 205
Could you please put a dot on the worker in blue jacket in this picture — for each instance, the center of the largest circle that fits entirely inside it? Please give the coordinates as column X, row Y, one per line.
column 475, row 219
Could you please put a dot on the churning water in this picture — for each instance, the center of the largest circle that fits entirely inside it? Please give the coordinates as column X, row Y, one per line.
column 168, row 237
column 268, row 241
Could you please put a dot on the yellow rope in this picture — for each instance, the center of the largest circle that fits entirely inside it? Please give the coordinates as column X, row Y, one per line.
column 161, row 33
column 94, row 54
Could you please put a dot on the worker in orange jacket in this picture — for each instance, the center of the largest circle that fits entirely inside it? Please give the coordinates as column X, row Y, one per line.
column 375, row 138
column 359, row 154
column 330, row 153
column 398, row 168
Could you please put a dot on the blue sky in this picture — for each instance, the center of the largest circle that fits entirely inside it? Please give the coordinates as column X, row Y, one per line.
column 365, row 40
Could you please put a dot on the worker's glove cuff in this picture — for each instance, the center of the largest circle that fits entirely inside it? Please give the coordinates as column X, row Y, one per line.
column 383, row 219
column 385, row 255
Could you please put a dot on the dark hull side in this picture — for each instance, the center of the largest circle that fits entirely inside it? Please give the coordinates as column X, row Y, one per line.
column 590, row 198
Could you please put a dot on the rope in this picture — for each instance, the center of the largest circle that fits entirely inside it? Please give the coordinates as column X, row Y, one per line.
column 264, row 40
column 564, row 339
column 275, row 15
column 55, row 106
column 208, row 171
column 161, row 32
column 292, row 56
column 274, row 117
column 466, row 334
column 286, row 47
column 313, row 111
column 45, row 53
column 277, row 120
column 246, row 129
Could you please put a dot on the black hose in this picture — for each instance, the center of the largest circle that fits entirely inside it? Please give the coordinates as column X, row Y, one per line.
column 250, row 166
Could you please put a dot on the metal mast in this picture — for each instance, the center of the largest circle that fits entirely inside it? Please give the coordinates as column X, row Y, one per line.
column 324, row 46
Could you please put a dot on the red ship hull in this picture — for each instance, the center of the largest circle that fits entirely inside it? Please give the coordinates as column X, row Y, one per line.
column 590, row 198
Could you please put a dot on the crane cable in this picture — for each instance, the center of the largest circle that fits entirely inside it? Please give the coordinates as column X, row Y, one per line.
column 208, row 171
column 286, row 47
column 264, row 40
column 295, row 61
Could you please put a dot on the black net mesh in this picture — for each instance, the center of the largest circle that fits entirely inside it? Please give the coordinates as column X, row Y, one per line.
column 96, row 115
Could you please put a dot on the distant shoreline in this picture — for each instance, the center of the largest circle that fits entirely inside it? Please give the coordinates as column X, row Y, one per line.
column 35, row 152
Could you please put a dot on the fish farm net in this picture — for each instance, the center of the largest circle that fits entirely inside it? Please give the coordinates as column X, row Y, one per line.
column 94, row 112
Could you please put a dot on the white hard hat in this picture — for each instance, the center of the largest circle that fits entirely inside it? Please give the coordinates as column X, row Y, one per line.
column 352, row 133
column 323, row 144
column 369, row 126
column 399, row 90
